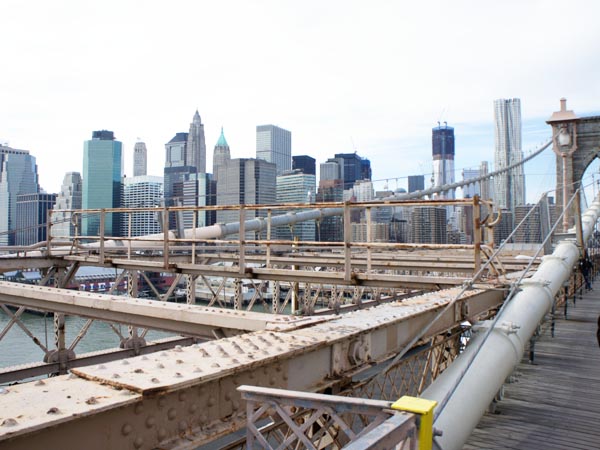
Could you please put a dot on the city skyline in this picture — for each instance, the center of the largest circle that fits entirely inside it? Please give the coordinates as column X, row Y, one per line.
column 377, row 91
column 534, row 134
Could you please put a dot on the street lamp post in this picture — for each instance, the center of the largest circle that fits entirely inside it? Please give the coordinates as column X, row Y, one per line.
column 564, row 139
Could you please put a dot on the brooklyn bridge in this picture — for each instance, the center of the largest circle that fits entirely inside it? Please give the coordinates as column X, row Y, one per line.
column 348, row 344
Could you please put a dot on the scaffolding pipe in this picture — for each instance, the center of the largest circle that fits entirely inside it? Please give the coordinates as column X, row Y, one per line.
column 475, row 383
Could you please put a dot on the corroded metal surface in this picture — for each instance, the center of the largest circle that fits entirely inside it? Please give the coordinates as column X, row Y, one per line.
column 45, row 403
column 184, row 397
column 187, row 319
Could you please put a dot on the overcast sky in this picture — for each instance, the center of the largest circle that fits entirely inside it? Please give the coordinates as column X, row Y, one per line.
column 370, row 76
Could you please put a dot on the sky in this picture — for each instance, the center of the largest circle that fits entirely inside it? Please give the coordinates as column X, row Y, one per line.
column 372, row 77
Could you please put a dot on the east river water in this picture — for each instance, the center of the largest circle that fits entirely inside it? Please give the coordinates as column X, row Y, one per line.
column 18, row 348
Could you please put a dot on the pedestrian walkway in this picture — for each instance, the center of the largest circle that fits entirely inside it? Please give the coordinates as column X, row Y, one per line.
column 555, row 402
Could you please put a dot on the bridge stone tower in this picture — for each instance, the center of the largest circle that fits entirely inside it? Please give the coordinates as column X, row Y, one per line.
column 576, row 142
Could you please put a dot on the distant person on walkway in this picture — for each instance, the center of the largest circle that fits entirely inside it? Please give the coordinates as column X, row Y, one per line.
column 585, row 266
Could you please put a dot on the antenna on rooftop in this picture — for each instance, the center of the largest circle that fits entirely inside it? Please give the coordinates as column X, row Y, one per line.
column 441, row 115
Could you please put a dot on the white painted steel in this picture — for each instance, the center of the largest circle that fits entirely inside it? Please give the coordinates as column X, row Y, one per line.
column 504, row 347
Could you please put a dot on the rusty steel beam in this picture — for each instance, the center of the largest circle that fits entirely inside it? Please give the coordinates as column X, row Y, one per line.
column 39, row 262
column 25, row 371
column 190, row 320
column 186, row 397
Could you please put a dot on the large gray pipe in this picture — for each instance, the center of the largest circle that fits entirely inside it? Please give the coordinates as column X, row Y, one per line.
column 216, row 231
column 220, row 230
column 505, row 345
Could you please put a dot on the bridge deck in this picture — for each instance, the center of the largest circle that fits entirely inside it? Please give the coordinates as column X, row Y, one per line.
column 555, row 403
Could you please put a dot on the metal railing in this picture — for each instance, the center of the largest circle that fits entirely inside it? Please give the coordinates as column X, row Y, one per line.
column 282, row 419
column 356, row 235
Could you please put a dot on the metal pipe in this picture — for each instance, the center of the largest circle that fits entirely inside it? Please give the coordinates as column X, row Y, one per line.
column 476, row 382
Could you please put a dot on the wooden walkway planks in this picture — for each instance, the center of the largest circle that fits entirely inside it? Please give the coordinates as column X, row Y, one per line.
column 554, row 404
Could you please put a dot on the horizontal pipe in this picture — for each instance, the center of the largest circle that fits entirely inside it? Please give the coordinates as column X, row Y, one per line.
column 479, row 373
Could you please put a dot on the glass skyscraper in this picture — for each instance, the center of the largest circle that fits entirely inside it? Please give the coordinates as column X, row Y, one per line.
column 68, row 198
column 509, row 187
column 442, row 143
column 274, row 145
column 140, row 159
column 416, row 183
column 305, row 163
column 18, row 175
column 296, row 187
column 32, row 215
column 102, row 186
column 245, row 181
column 352, row 168
column 142, row 192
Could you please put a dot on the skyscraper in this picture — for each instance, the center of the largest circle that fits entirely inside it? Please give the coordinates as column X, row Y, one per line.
column 296, row 187
column 331, row 189
column 509, row 187
column 245, row 181
column 196, row 145
column 443, row 157
column 102, row 185
column 142, row 192
column 32, row 215
column 485, row 185
column 221, row 154
column 177, row 168
column 416, row 183
column 18, row 175
column 304, row 163
column 471, row 190
column 140, row 159
column 274, row 144
column 68, row 198
column 352, row 168
column 429, row 225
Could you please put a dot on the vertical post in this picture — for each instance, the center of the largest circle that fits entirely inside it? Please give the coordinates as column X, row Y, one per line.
column 424, row 408
column 477, row 233
column 295, row 284
column 578, row 225
column 238, row 298
column 269, row 215
column 333, row 302
column 249, row 434
column 59, row 326
column 306, row 300
column 565, row 193
column 369, row 238
column 275, row 300
column 190, row 289
column 59, row 340
column 194, row 225
column 165, row 237
column 129, row 235
column 132, row 283
column 102, row 224
column 347, row 239
column 242, row 239
column 49, row 232
column 295, row 290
